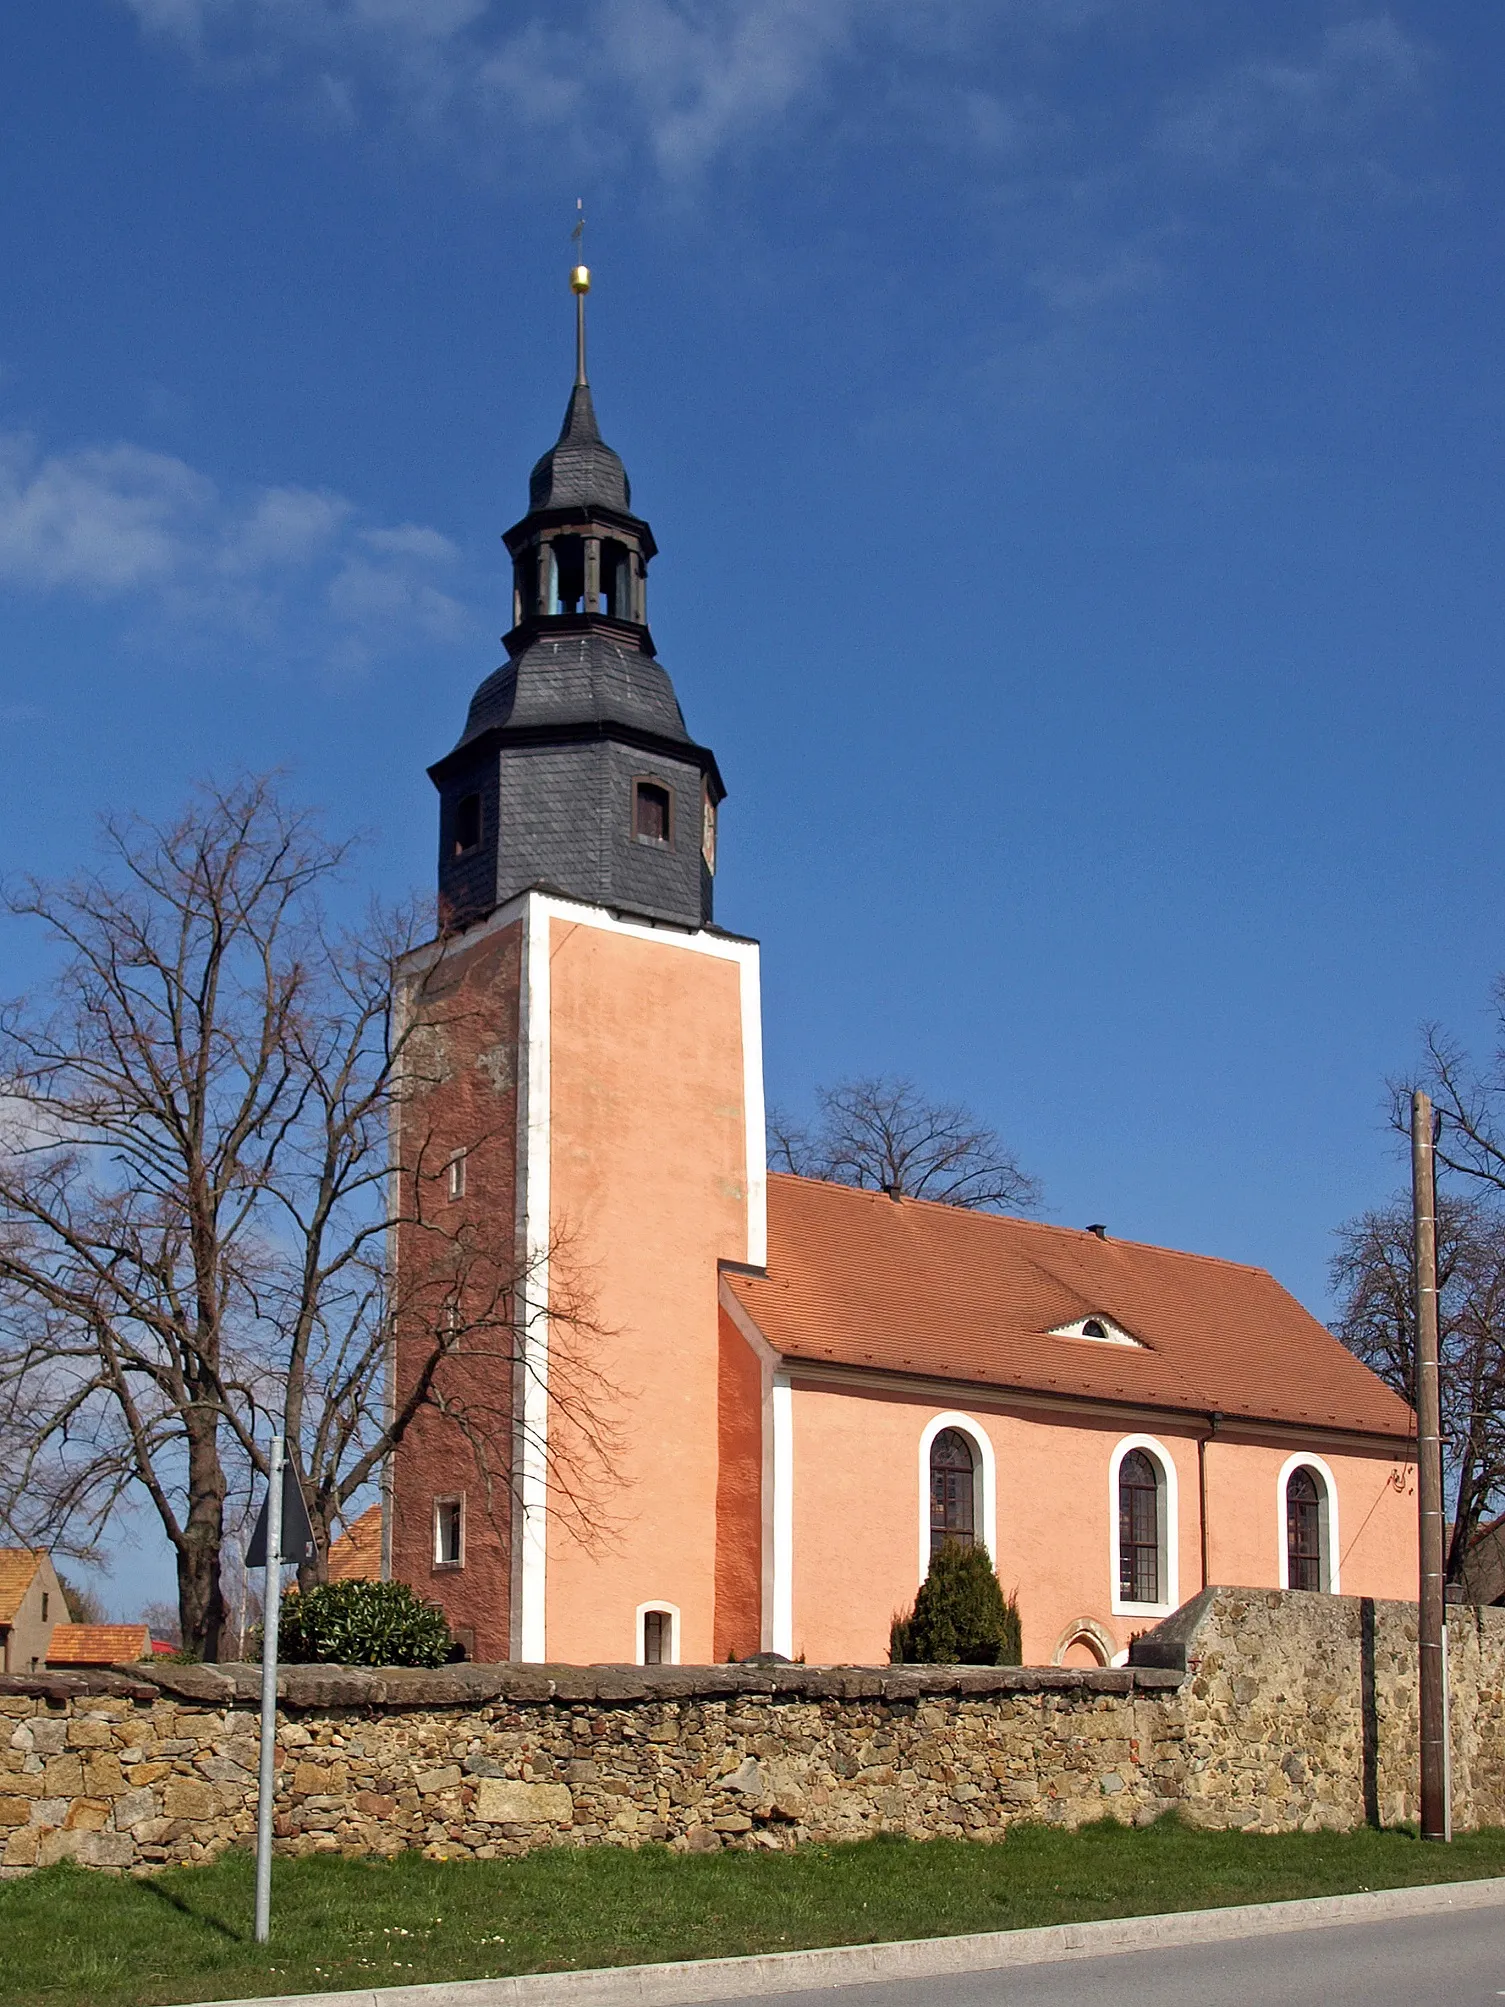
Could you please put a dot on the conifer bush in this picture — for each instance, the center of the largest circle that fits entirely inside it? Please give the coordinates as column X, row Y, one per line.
column 960, row 1616
column 361, row 1624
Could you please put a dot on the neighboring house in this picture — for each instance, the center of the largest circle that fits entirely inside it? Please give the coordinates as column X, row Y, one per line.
column 31, row 1602
column 800, row 1388
column 1484, row 1567
column 99, row 1644
column 356, row 1555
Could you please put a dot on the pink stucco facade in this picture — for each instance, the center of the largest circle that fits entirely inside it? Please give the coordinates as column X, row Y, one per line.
column 860, row 1500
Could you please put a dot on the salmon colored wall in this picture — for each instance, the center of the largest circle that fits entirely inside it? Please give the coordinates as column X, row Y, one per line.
column 739, row 1498
column 857, row 1504
column 648, row 1172
column 1377, row 1530
column 470, row 1057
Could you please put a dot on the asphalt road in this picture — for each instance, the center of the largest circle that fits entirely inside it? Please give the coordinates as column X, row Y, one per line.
column 1405, row 1962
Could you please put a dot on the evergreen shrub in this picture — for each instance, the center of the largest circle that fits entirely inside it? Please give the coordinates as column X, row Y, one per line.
column 960, row 1616
column 361, row 1624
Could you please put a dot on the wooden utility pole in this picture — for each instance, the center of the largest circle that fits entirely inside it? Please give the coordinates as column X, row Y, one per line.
column 1436, row 1820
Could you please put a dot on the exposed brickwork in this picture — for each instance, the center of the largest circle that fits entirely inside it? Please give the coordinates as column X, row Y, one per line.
column 467, row 1101
column 739, row 1497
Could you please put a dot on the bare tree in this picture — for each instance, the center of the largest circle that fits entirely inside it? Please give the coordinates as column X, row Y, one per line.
column 85, row 1606
column 883, row 1134
column 1374, row 1278
column 196, row 1197
column 1470, row 1103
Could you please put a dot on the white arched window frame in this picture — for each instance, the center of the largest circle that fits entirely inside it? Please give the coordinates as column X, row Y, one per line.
column 669, row 1610
column 984, row 1479
column 1327, row 1508
column 1170, row 1519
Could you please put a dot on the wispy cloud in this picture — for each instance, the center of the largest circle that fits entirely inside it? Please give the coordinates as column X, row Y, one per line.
column 120, row 522
column 1357, row 72
column 682, row 80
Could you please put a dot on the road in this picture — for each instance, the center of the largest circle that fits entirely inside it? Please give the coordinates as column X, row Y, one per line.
column 1458, row 1960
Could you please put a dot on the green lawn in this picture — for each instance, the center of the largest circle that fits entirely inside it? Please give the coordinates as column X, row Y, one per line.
column 71, row 1936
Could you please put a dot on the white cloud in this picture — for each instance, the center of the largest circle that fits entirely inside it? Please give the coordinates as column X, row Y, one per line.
column 103, row 518
column 1360, row 68
column 120, row 522
column 685, row 78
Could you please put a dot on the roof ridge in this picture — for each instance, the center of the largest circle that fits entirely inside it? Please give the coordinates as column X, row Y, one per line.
column 1017, row 1219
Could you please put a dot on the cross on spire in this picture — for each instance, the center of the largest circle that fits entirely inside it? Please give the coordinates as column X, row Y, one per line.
column 580, row 285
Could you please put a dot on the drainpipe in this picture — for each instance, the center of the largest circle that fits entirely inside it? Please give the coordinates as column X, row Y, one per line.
column 1202, row 1442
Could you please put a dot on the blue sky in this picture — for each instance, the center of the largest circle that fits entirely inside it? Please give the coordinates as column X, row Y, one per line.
column 1071, row 428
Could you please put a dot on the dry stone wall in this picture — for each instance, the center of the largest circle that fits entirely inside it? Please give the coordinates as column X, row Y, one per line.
column 1251, row 1709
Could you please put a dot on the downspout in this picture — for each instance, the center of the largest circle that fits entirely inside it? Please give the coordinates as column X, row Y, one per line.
column 1202, row 1441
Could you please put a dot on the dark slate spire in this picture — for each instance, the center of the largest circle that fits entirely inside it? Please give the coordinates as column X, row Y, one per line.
column 575, row 773
column 580, row 468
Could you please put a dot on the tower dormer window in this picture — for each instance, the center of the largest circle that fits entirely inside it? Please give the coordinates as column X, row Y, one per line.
column 651, row 804
column 467, row 824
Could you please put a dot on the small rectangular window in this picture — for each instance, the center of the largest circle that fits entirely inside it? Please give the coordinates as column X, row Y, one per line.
column 457, row 1175
column 46, row 1599
column 650, row 812
column 656, row 1637
column 467, row 823
column 449, row 1533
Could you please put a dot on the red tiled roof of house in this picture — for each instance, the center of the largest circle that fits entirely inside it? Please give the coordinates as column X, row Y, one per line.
column 18, row 1567
column 855, row 1279
column 356, row 1555
column 98, row 1644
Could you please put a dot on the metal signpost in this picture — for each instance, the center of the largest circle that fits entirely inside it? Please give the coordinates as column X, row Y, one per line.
column 282, row 1534
column 271, row 1602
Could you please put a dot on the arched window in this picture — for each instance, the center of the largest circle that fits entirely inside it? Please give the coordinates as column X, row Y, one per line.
column 1139, row 1528
column 1304, row 1569
column 953, row 1490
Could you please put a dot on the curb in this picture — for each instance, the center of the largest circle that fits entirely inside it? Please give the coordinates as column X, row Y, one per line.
column 697, row 1980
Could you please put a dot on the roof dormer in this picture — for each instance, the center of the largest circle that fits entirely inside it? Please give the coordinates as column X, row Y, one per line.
column 1097, row 1329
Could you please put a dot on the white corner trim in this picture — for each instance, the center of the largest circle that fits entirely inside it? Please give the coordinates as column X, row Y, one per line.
column 669, row 1610
column 782, row 1599
column 752, row 1106
column 1332, row 1550
column 533, row 1308
column 1171, row 1588
column 977, row 1435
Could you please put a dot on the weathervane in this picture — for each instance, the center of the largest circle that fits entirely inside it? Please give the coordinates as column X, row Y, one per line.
column 580, row 285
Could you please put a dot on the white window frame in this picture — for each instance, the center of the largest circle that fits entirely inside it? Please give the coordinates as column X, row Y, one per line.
column 669, row 1610
column 1328, row 1510
column 455, row 1182
column 455, row 1498
column 984, row 1481
column 1170, row 1540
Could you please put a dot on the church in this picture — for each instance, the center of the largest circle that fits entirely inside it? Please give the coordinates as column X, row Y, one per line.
column 730, row 1412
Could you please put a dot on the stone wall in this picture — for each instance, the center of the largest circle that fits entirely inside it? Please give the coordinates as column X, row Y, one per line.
column 1301, row 1710
column 1250, row 1708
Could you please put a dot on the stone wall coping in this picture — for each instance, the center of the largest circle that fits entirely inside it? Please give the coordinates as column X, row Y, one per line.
column 469, row 1686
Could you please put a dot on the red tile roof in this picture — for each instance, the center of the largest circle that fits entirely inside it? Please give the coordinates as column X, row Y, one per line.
column 98, row 1644
column 856, row 1279
column 356, row 1555
column 18, row 1568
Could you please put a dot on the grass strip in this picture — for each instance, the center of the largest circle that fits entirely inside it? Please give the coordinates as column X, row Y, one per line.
column 73, row 1938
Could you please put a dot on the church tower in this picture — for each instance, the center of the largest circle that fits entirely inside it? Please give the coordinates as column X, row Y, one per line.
column 574, row 770
column 584, row 1121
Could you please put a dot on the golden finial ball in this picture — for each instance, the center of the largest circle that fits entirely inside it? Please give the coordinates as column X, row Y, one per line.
column 580, row 279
